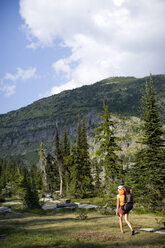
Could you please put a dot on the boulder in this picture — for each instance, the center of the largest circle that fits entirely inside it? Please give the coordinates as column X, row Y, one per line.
column 65, row 201
column 67, row 205
column 7, row 210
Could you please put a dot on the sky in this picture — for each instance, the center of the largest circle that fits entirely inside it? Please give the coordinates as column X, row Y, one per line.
column 47, row 46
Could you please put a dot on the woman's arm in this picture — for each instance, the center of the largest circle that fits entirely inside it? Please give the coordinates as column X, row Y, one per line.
column 117, row 206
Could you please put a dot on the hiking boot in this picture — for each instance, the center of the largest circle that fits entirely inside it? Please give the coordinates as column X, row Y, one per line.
column 133, row 232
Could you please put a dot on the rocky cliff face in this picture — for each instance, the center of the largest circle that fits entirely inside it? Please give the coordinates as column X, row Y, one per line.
column 22, row 131
column 26, row 136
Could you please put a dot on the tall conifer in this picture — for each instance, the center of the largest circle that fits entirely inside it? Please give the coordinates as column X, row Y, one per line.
column 67, row 162
column 148, row 171
column 60, row 161
column 108, row 149
column 52, row 173
column 87, row 186
column 81, row 179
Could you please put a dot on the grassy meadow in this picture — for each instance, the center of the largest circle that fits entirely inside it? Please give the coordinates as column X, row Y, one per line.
column 63, row 229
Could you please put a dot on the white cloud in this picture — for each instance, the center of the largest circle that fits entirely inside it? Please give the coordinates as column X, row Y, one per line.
column 8, row 90
column 62, row 66
column 21, row 74
column 118, row 2
column 8, row 83
column 106, row 38
column 68, row 86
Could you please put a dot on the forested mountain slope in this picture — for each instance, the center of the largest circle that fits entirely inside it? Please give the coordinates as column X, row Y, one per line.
column 22, row 131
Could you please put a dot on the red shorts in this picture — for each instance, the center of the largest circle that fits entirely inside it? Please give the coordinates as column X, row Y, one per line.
column 123, row 211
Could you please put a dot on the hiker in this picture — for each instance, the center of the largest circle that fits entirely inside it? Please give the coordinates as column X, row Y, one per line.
column 123, row 208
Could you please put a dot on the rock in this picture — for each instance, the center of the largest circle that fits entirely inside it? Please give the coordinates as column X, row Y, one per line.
column 48, row 207
column 160, row 231
column 7, row 210
column 2, row 236
column 67, row 205
column 147, row 229
column 65, row 201
column 87, row 206
column 45, row 199
column 12, row 203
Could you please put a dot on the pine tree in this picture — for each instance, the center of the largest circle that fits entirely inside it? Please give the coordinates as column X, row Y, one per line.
column 60, row 162
column 36, row 175
column 30, row 197
column 66, row 158
column 81, row 179
column 3, row 174
column 86, row 164
column 52, row 174
column 108, row 149
column 75, row 169
column 148, row 172
column 18, row 180
column 97, row 169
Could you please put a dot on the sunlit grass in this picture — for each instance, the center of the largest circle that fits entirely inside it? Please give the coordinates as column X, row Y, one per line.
column 63, row 230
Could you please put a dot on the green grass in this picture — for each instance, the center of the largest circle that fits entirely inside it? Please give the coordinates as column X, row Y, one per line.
column 29, row 230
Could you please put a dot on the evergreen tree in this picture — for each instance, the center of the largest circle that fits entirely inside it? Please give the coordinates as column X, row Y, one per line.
column 2, row 174
column 36, row 175
column 30, row 197
column 18, row 181
column 81, row 179
column 97, row 169
column 67, row 162
column 86, row 164
column 108, row 149
column 148, row 172
column 60, row 162
column 75, row 169
column 52, row 174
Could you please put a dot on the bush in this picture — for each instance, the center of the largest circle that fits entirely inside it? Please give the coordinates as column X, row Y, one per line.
column 81, row 213
column 2, row 199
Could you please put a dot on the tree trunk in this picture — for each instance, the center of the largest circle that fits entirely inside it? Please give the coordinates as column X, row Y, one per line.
column 44, row 178
column 60, row 166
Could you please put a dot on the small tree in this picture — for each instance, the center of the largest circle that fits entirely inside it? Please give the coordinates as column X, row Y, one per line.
column 18, row 180
column 30, row 198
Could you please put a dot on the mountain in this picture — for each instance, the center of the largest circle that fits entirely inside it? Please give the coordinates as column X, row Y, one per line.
column 22, row 131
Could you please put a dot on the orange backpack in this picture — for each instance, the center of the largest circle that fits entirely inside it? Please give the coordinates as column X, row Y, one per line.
column 122, row 196
column 126, row 198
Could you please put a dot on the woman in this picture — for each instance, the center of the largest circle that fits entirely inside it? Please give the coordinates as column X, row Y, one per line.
column 120, row 212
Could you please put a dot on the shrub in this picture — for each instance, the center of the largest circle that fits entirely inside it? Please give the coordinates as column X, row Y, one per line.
column 81, row 213
column 2, row 199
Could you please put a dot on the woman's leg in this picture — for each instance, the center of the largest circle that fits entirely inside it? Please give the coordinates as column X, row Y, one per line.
column 120, row 222
column 127, row 221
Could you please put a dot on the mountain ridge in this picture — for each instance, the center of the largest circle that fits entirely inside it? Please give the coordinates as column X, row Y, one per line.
column 22, row 130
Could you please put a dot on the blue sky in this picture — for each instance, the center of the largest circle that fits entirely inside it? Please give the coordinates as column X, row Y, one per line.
column 49, row 46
